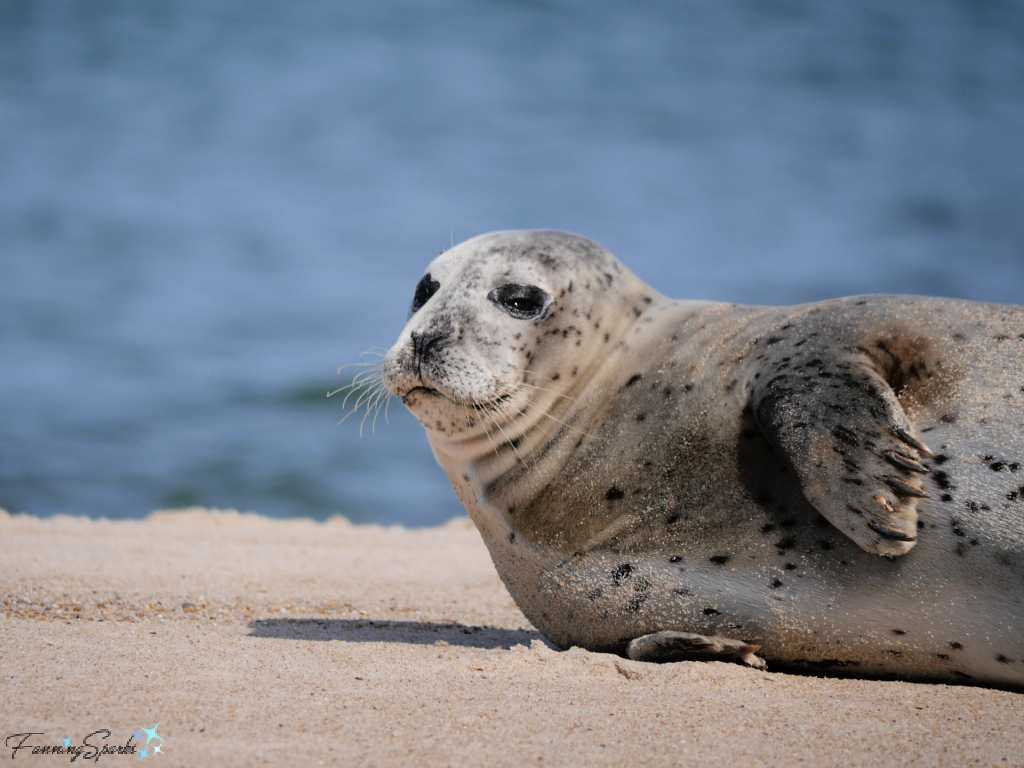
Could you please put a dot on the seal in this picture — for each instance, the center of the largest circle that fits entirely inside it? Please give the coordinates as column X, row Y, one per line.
column 836, row 487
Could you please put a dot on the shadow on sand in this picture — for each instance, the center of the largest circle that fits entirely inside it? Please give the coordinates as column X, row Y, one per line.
column 373, row 631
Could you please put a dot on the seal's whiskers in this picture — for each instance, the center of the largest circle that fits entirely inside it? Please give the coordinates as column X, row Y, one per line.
column 511, row 442
column 368, row 388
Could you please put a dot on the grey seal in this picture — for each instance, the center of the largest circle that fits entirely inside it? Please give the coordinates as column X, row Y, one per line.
column 835, row 487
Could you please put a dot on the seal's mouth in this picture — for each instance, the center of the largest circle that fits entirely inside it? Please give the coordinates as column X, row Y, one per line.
column 490, row 405
column 423, row 391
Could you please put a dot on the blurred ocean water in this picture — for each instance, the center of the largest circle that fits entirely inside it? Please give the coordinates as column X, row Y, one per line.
column 207, row 207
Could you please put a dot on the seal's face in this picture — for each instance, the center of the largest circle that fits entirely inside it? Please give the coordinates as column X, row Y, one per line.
column 500, row 328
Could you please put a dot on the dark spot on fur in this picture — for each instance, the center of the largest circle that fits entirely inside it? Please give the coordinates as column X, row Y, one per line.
column 684, row 592
column 719, row 559
column 614, row 494
column 633, row 380
column 899, row 632
column 964, row 675
column 711, row 612
column 767, row 528
column 776, row 584
column 641, row 416
column 1002, row 659
column 940, row 459
column 956, row 646
column 942, row 656
column 672, row 519
column 945, row 497
column 825, row 545
column 787, row 543
column 942, row 480
column 790, row 566
column 845, row 436
column 639, row 596
column 675, row 559
column 620, row 573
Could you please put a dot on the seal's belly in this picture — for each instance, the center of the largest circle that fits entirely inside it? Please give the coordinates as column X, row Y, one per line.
column 819, row 614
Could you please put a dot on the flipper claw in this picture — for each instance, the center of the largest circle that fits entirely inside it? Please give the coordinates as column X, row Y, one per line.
column 889, row 533
column 904, row 462
column 912, row 441
column 905, row 489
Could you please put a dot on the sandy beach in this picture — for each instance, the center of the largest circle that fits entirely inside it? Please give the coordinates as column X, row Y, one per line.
column 250, row 641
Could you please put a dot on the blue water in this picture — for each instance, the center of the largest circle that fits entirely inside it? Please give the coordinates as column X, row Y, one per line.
column 207, row 207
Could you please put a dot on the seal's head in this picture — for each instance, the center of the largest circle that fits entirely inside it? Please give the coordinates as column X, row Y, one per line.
column 501, row 327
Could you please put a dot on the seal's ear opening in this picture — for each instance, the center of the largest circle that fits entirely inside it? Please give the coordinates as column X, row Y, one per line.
column 425, row 288
column 523, row 302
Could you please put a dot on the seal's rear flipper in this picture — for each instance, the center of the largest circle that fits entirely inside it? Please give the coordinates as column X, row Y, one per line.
column 661, row 647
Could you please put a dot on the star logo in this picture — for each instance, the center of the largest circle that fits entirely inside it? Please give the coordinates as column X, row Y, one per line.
column 67, row 742
column 143, row 754
column 152, row 734
column 157, row 749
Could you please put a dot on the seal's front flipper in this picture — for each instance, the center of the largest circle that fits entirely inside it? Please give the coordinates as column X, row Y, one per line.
column 662, row 647
column 830, row 411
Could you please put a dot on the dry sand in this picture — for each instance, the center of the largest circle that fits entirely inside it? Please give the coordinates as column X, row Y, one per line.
column 252, row 641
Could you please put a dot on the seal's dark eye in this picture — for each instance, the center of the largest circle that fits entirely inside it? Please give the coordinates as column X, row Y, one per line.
column 425, row 288
column 525, row 302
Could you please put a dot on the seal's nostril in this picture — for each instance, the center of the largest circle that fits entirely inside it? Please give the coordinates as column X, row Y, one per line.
column 424, row 343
